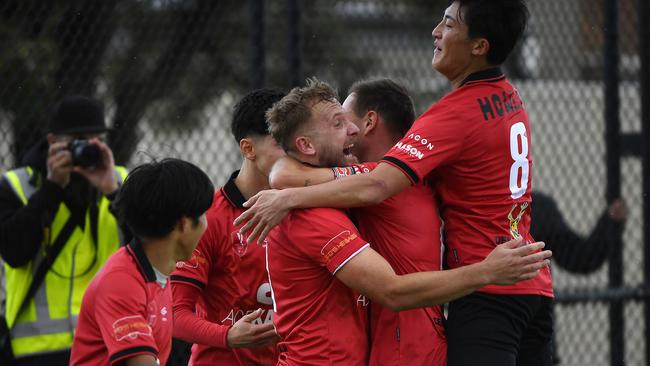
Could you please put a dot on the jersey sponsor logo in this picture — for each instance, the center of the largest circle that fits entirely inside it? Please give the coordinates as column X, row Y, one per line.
column 338, row 242
column 514, row 220
column 263, row 297
column 413, row 149
column 362, row 301
column 131, row 327
column 235, row 314
column 194, row 262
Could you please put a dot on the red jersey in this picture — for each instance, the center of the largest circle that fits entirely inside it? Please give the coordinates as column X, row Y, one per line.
column 405, row 230
column 229, row 279
column 321, row 321
column 475, row 144
column 124, row 313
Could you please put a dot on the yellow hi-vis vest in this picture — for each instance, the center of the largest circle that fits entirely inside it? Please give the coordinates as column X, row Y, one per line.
column 48, row 321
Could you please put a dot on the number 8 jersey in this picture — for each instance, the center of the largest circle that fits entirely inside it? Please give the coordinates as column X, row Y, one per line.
column 475, row 145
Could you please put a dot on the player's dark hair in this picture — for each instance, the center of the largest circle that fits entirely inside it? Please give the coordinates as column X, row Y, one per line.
column 389, row 99
column 156, row 195
column 288, row 115
column 501, row 22
column 248, row 118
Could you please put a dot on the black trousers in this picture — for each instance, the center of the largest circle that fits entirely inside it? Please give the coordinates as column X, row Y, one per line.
column 501, row 330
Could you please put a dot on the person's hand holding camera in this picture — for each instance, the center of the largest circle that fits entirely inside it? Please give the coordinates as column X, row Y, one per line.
column 101, row 172
column 59, row 164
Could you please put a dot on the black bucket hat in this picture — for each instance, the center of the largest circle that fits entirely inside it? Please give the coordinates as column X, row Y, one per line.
column 77, row 115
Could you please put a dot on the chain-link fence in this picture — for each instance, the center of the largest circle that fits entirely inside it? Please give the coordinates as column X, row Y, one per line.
column 169, row 72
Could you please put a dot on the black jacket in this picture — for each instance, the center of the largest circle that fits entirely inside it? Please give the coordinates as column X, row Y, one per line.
column 22, row 226
column 570, row 250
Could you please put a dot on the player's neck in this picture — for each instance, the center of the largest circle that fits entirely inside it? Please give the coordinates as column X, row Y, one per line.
column 160, row 253
column 250, row 180
column 377, row 144
column 457, row 80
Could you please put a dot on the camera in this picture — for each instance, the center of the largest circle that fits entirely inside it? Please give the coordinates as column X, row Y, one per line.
column 84, row 154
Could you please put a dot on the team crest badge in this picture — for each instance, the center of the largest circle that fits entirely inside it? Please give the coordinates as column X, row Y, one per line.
column 514, row 221
column 239, row 243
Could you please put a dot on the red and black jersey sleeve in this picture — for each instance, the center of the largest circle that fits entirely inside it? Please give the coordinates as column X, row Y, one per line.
column 328, row 237
column 435, row 139
column 121, row 315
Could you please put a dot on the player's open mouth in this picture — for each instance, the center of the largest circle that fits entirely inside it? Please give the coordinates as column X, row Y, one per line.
column 348, row 149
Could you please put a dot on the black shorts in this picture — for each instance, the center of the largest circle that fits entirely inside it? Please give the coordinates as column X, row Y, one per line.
column 501, row 330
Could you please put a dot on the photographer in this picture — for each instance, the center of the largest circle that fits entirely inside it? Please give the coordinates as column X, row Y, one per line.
column 56, row 231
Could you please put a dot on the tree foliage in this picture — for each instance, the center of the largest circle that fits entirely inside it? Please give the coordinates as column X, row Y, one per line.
column 163, row 60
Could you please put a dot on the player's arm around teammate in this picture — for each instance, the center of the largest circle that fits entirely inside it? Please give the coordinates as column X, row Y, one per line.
column 268, row 208
column 371, row 275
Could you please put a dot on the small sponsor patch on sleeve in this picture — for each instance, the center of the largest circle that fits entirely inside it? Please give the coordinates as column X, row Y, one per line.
column 338, row 242
column 131, row 327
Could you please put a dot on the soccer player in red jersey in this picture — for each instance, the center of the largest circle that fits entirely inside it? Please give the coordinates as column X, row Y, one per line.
column 383, row 112
column 318, row 264
column 126, row 313
column 226, row 275
column 475, row 144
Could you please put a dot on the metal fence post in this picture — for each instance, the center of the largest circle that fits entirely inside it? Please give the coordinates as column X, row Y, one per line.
column 612, row 141
column 295, row 47
column 258, row 51
column 644, row 53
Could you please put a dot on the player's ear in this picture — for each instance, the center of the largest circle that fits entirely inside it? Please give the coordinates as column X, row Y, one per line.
column 480, row 47
column 370, row 122
column 247, row 148
column 304, row 145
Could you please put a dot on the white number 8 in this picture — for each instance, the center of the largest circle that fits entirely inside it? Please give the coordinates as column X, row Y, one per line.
column 518, row 188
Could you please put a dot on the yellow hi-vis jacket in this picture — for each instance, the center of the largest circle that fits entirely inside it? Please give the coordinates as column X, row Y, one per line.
column 47, row 322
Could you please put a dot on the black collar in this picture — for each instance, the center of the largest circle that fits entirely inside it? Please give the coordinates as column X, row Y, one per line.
column 232, row 193
column 137, row 252
column 493, row 74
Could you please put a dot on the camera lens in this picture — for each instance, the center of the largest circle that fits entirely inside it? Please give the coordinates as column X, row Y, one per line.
column 84, row 154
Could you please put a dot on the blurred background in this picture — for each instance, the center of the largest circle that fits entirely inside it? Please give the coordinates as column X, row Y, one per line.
column 170, row 71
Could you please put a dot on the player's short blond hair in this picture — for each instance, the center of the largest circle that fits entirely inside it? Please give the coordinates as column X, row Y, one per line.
column 293, row 112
